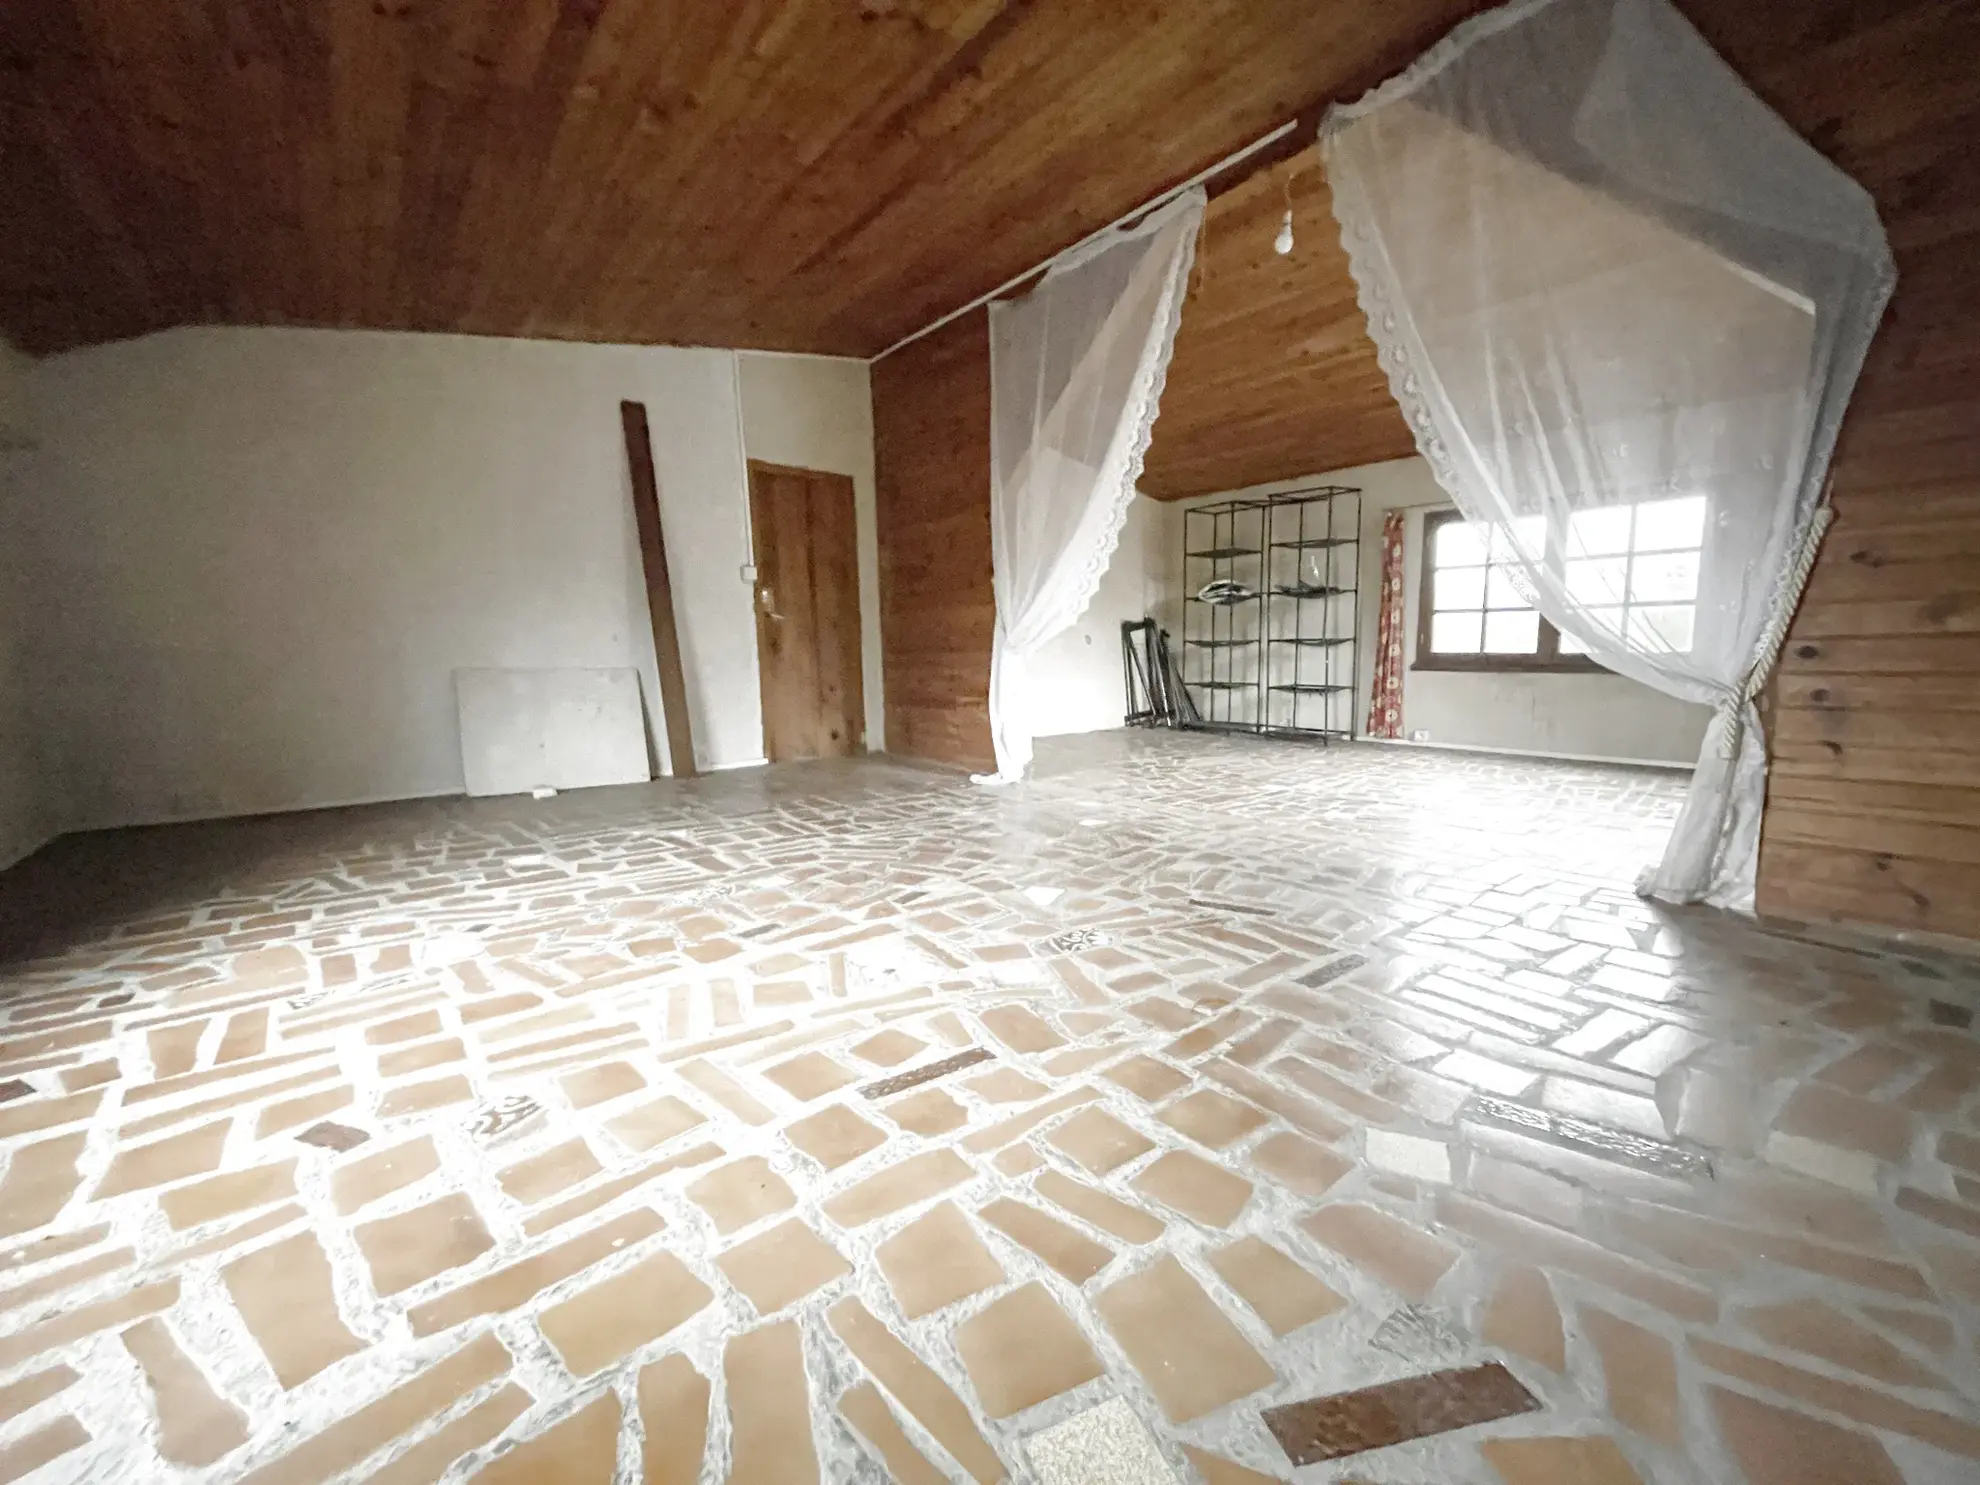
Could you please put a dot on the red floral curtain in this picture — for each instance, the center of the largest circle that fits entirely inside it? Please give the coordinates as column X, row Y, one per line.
column 1386, row 694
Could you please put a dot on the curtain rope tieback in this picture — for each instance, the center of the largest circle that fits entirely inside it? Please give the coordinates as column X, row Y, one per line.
column 1729, row 721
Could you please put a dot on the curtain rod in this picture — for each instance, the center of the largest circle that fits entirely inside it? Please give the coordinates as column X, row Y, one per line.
column 1140, row 211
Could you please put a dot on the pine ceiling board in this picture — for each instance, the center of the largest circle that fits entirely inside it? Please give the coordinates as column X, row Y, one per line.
column 803, row 174
column 1274, row 375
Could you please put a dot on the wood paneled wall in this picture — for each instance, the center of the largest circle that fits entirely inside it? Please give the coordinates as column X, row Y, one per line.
column 931, row 434
column 1874, row 806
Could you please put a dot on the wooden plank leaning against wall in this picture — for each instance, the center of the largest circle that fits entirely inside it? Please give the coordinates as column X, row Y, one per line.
column 931, row 438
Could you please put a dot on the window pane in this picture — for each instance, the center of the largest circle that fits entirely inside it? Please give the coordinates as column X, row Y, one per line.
column 1459, row 544
column 1454, row 634
column 1663, row 628
column 1500, row 592
column 1666, row 525
column 1526, row 536
column 1459, row 587
column 1599, row 533
column 1512, row 633
column 1572, row 646
column 1596, row 580
column 1608, row 621
column 1664, row 577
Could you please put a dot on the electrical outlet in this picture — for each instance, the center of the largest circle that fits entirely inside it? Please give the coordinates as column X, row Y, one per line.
column 1422, row 734
column 749, row 572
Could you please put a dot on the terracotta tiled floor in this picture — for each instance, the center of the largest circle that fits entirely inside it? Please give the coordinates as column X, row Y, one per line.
column 1198, row 1108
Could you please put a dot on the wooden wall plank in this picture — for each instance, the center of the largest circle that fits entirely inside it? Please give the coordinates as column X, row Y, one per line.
column 1835, row 760
column 1910, row 654
column 1899, row 693
column 1878, row 832
column 1824, row 883
column 931, row 436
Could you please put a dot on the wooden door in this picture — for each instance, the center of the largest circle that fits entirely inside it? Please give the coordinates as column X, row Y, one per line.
column 807, row 613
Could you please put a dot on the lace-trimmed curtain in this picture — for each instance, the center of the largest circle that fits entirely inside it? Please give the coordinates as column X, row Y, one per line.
column 1076, row 371
column 1622, row 306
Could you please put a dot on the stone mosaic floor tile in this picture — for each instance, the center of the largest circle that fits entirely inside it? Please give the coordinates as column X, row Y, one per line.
column 1217, row 1470
column 673, row 1407
column 1280, row 1292
column 1098, row 1141
column 936, row 1260
column 1775, row 1446
column 1188, row 1352
column 866, row 1410
column 1187, row 1183
column 622, row 1314
column 784, row 1264
column 581, row 1449
column 1559, row 1461
column 847, row 1121
column 1021, row 1349
column 196, row 1425
column 769, row 1406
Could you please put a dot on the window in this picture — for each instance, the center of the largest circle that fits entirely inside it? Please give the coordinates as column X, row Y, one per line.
column 1472, row 615
column 1634, row 567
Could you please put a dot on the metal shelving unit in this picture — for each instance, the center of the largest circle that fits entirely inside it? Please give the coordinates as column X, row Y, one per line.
column 1278, row 655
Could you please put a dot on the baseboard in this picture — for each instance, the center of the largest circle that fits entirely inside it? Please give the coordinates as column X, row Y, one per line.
column 351, row 802
column 1451, row 747
column 19, row 854
column 194, row 818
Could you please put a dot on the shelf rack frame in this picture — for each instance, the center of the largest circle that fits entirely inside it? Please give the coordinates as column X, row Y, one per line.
column 1279, row 657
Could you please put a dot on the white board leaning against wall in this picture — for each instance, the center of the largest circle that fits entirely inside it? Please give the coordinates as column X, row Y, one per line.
column 549, row 729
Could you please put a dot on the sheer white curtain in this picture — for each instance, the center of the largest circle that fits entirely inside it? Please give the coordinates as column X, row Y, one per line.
column 1623, row 306
column 1076, row 370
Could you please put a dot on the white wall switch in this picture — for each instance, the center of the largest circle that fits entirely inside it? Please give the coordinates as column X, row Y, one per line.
column 749, row 572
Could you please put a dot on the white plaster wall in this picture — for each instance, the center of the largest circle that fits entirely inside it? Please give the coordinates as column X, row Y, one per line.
column 1580, row 716
column 23, row 809
column 268, row 550
column 816, row 412
column 1076, row 681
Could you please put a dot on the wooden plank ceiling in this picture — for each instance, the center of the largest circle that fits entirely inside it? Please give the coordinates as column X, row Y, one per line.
column 786, row 174
column 1274, row 375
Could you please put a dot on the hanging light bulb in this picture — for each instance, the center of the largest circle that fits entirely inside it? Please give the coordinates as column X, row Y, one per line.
column 1283, row 243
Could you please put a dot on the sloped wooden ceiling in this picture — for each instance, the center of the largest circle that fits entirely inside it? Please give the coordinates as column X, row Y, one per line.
column 1274, row 375
column 822, row 175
